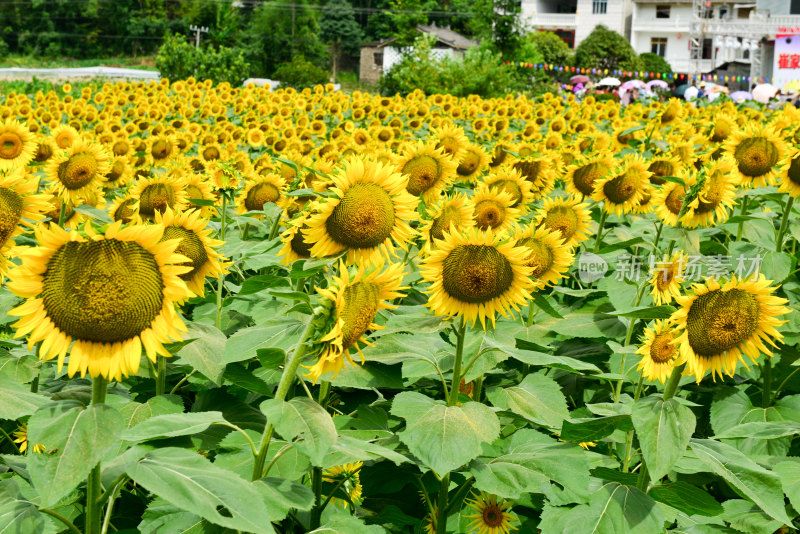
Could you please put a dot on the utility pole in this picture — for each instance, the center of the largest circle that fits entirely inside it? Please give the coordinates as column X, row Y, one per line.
column 197, row 31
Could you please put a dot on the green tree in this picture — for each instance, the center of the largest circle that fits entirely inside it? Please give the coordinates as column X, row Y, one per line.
column 507, row 32
column 606, row 49
column 406, row 15
column 655, row 63
column 339, row 29
column 553, row 49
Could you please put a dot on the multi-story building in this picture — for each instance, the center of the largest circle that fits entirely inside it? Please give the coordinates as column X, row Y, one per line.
column 574, row 20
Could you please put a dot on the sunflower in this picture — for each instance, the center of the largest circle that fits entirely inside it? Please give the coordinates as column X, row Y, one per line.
column 789, row 180
column 20, row 206
column 492, row 515
column 259, row 191
column 79, row 169
column 668, row 199
column 667, row 278
column 664, row 165
column 723, row 126
column 511, row 181
column 428, row 169
column 196, row 187
column 548, row 256
column 161, row 148
column 757, row 151
column 451, row 139
column 119, row 174
column 659, row 351
column 368, row 214
column 539, row 171
column 475, row 274
column 18, row 145
column 584, row 171
column 716, row 196
column 493, row 209
column 348, row 476
column 568, row 216
column 623, row 188
column 196, row 244
column 451, row 211
column 473, row 161
column 294, row 247
column 64, row 136
column 156, row 194
column 21, row 439
column 123, row 209
column 111, row 295
column 720, row 322
column 355, row 301
column 673, row 112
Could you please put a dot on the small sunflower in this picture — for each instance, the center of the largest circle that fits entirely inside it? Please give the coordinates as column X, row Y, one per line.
column 348, row 476
column 664, row 165
column 119, row 174
column 18, row 145
column 623, row 188
column 673, row 112
column 294, row 247
column 585, row 171
column 789, row 179
column 111, row 295
column 757, row 151
column 548, row 256
column 492, row 209
column 156, row 194
column 568, row 216
column 716, row 197
column 368, row 215
column 123, row 209
column 78, row 169
column 473, row 161
column 667, row 278
column 476, row 274
column 428, row 169
column 259, row 191
column 667, row 200
column 511, row 181
column 356, row 301
column 539, row 171
column 64, row 136
column 659, row 351
column 196, row 187
column 720, row 322
column 492, row 515
column 196, row 244
column 451, row 211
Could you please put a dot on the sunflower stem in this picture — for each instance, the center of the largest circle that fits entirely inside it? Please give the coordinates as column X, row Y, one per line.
column 476, row 390
column 70, row 525
column 441, row 505
column 671, row 388
column 766, row 375
column 601, row 224
column 787, row 209
column 626, row 461
column 221, row 280
column 93, row 485
column 287, row 377
column 531, row 313
column 62, row 213
column 161, row 375
column 659, row 227
column 245, row 231
column 628, row 336
column 316, row 485
column 273, row 231
column 741, row 223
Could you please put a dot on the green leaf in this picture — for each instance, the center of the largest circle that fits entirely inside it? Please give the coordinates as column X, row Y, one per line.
column 646, row 312
column 594, row 429
column 589, row 322
column 349, row 449
column 612, row 475
column 245, row 343
column 759, row 485
column 302, row 418
column 537, row 398
column 541, row 301
column 346, row 524
column 282, row 495
column 171, row 425
column 94, row 213
column 614, row 509
column 664, row 429
column 761, row 430
column 202, row 202
column 189, row 481
column 17, row 400
column 622, row 245
column 75, row 440
column 203, row 354
column 776, row 266
column 444, row 437
column 237, row 374
column 689, row 499
column 789, row 473
column 258, row 283
column 745, row 517
column 22, row 517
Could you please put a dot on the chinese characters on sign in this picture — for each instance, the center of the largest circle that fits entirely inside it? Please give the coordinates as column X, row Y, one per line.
column 789, row 61
column 696, row 268
column 786, row 63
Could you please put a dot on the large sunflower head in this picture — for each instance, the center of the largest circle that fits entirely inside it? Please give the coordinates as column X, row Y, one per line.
column 111, row 295
column 539, row 171
column 716, row 197
column 491, row 515
column 78, row 169
column 156, row 194
column 17, row 145
column 476, row 274
column 758, row 151
column 789, row 179
column 667, row 278
column 367, row 216
column 719, row 323
column 427, row 168
column 196, row 244
column 659, row 351
column 355, row 302
column 450, row 211
column 622, row 189
column 492, row 209
column 511, row 181
column 548, row 256
column 585, row 171
column 567, row 216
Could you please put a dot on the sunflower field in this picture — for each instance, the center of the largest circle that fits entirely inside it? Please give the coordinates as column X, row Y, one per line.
column 236, row 310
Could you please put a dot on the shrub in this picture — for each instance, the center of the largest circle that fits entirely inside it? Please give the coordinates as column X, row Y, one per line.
column 300, row 73
column 178, row 59
column 655, row 63
column 606, row 49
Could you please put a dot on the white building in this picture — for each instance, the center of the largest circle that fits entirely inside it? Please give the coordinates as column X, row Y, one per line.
column 574, row 20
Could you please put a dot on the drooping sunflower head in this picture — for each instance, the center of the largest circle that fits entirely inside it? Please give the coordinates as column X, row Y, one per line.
column 111, row 295
column 78, row 169
column 673, row 112
column 667, row 278
column 719, row 323
column 492, row 209
column 623, row 188
column 716, row 197
column 368, row 216
column 491, row 515
column 356, row 300
column 659, row 351
column 567, row 216
column 156, row 194
column 661, row 166
column 548, row 256
column 119, row 174
column 539, row 171
column 757, row 151
column 472, row 162
column 585, row 171
column 427, row 168
column 259, row 191
column 346, row 476
column 476, row 274
column 294, row 247
column 17, row 145
column 450, row 211
column 509, row 180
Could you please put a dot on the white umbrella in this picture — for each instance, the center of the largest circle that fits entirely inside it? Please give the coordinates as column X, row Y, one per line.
column 609, row 81
column 691, row 93
column 657, row 83
column 762, row 93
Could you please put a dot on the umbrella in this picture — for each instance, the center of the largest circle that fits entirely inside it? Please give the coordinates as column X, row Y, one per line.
column 613, row 82
column 657, row 83
column 680, row 90
column 630, row 84
column 741, row 96
column 691, row 93
column 578, row 87
column 762, row 93
column 579, row 78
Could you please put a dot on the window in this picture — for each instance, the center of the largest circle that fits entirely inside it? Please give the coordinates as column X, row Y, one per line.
column 706, row 50
column 794, row 7
column 599, row 7
column 377, row 57
column 723, row 12
column 658, row 46
column 744, row 12
column 662, row 12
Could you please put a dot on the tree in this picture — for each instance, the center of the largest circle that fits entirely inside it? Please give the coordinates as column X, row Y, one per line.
column 506, row 33
column 655, row 63
column 606, row 49
column 339, row 29
column 553, row 49
column 406, row 15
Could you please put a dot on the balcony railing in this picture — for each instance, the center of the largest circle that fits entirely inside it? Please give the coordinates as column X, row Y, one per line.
column 554, row 21
column 675, row 24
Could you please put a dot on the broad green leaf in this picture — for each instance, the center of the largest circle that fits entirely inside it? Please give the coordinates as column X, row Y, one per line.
column 588, row 322
column 646, row 312
column 75, row 440
column 444, row 437
column 745, row 517
column 761, row 430
column 254, row 284
column 281, row 495
column 776, row 266
column 663, row 429
column 204, row 353
column 18, row 515
column 348, row 449
column 594, row 429
column 759, row 485
column 789, row 473
column 171, row 425
column 190, row 482
column 612, row 475
column 136, row 412
column 613, row 509
column 688, row 499
column 305, row 419
column 346, row 524
column 94, row 213
column 239, row 375
column 245, row 343
column 537, row 398
column 17, row 400
column 541, row 301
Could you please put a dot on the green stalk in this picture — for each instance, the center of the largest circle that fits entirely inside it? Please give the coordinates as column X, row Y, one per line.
column 245, row 231
column 628, row 336
column 316, row 486
column 742, row 212
column 62, row 213
column 671, row 388
column 626, row 461
column 70, row 525
column 161, row 375
column 93, row 485
column 531, row 313
column 35, row 383
column 601, row 224
column 766, row 392
column 441, row 516
column 221, row 280
column 476, row 390
column 787, row 209
column 273, row 231
column 287, row 377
